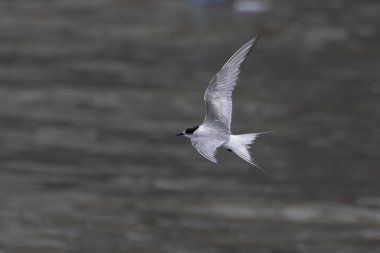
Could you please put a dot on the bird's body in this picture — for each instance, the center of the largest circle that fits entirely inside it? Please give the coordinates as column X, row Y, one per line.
column 215, row 131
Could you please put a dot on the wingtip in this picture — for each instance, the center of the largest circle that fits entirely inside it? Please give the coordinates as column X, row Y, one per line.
column 252, row 43
column 255, row 40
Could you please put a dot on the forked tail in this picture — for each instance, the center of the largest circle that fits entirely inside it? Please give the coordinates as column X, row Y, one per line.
column 240, row 145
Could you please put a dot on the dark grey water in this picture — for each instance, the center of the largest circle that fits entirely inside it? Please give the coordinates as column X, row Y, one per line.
column 92, row 91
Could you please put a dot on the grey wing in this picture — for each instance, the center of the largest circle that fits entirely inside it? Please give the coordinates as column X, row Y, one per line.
column 207, row 146
column 218, row 94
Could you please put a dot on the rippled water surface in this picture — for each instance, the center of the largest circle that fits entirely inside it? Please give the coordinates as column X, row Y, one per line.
column 92, row 93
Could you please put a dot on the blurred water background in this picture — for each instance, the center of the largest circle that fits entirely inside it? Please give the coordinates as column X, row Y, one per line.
column 92, row 92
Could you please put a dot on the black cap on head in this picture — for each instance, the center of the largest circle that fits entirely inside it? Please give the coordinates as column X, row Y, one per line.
column 191, row 130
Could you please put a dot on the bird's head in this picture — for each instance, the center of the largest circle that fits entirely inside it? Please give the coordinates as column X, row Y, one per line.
column 188, row 132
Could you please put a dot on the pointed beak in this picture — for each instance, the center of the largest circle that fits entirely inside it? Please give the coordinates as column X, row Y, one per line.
column 180, row 134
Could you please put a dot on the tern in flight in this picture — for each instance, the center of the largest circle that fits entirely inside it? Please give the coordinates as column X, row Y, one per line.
column 215, row 131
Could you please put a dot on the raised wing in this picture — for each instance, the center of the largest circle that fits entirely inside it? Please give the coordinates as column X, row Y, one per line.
column 218, row 94
column 207, row 146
